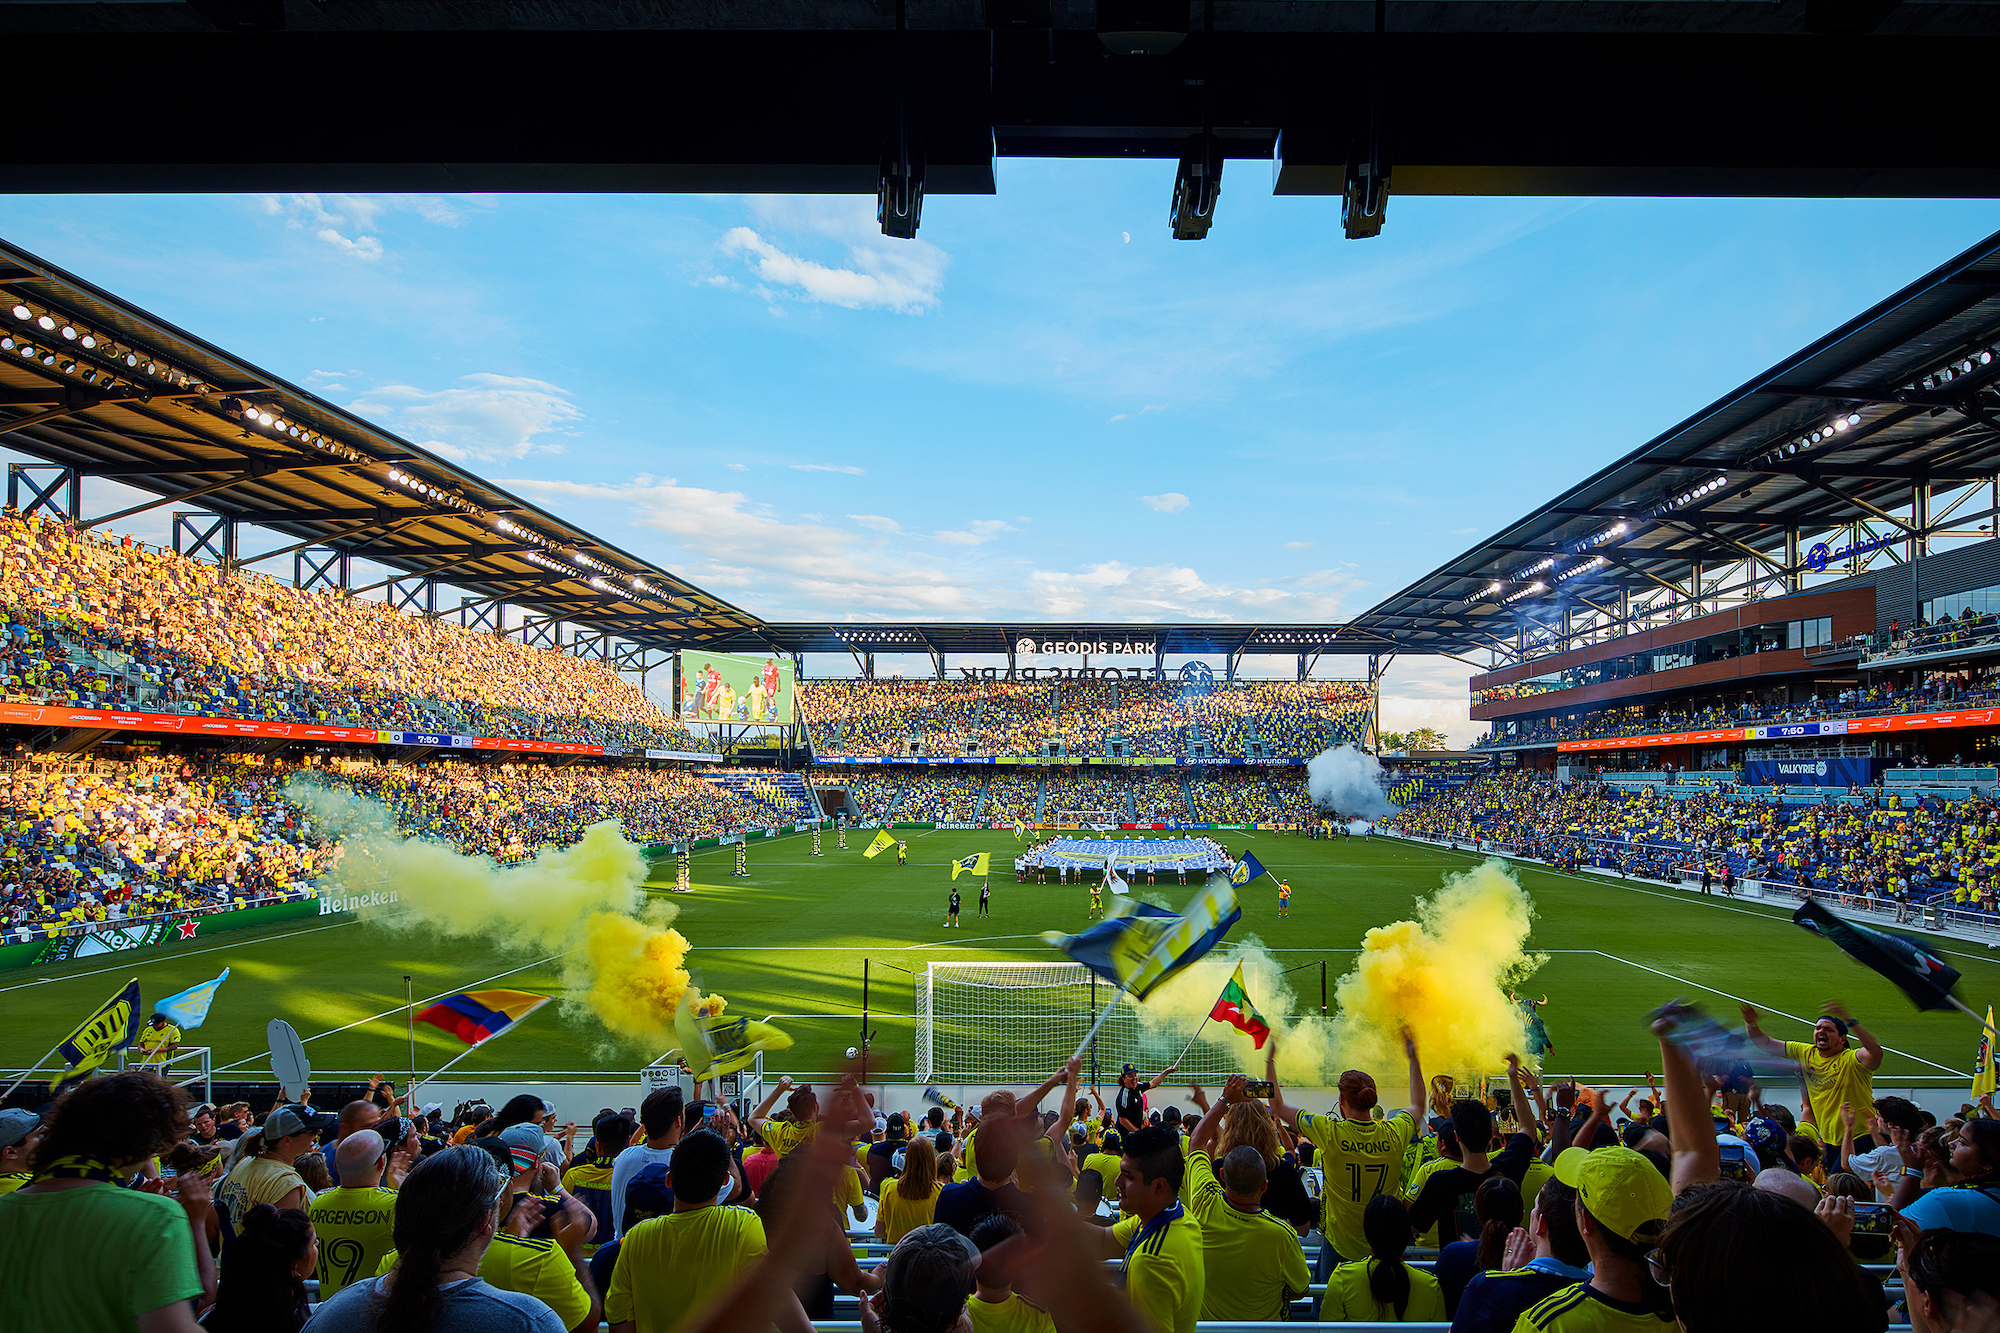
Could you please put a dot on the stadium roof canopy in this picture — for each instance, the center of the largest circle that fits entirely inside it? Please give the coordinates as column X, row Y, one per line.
column 96, row 386
column 1645, row 97
column 101, row 387
column 1847, row 438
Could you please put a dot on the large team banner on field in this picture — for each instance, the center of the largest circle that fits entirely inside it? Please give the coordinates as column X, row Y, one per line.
column 727, row 687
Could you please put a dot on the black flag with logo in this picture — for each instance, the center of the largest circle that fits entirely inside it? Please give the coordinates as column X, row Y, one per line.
column 1923, row 976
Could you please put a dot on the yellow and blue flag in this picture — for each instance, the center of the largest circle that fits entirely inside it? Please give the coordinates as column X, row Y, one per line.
column 1145, row 945
column 972, row 865
column 1984, row 1073
column 714, row 1045
column 189, row 1009
column 477, row 1016
column 99, row 1035
column 1246, row 870
column 884, row 840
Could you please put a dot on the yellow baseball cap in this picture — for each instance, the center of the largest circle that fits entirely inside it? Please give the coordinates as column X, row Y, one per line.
column 1620, row 1189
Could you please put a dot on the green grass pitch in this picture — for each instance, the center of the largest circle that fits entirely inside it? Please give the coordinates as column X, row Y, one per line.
column 790, row 941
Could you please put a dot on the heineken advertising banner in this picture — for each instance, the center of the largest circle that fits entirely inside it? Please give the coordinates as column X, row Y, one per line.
column 109, row 937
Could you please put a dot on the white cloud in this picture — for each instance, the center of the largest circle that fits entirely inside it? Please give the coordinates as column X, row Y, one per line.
column 351, row 223
column 1298, row 546
column 1120, row 417
column 877, row 522
column 1126, row 236
column 486, row 417
column 1170, row 503
column 976, row 533
column 1113, row 590
column 738, row 467
column 846, row 468
column 874, row 271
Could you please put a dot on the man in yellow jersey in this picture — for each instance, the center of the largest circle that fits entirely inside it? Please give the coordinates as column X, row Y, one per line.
column 1622, row 1202
column 1104, row 1161
column 1284, row 898
column 801, row 1115
column 1251, row 1259
column 1835, row 1070
column 1096, row 899
column 355, row 1220
column 669, row 1267
column 1359, row 1156
column 1165, row 1277
column 159, row 1040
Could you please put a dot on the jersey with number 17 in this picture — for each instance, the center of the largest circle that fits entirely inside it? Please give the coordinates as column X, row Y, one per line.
column 1358, row 1159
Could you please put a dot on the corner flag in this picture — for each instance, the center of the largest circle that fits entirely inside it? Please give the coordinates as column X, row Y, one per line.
column 1246, row 870
column 973, row 865
column 884, row 840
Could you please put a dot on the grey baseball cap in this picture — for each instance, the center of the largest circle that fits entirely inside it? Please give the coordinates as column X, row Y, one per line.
column 16, row 1124
column 285, row 1122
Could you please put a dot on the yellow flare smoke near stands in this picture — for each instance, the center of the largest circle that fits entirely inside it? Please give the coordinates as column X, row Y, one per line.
column 586, row 903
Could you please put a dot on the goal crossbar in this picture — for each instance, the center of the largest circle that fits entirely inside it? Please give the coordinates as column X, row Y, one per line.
column 1019, row 1022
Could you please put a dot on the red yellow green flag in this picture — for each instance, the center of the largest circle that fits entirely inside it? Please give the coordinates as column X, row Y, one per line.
column 1235, row 1009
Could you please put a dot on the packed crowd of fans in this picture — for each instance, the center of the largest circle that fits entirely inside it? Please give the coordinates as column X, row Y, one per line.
column 95, row 622
column 1012, row 796
column 97, row 840
column 1924, row 692
column 941, row 796
column 511, row 811
column 1943, row 851
column 1547, row 1209
column 1087, row 719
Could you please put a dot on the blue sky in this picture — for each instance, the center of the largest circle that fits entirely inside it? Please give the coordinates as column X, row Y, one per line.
column 1042, row 409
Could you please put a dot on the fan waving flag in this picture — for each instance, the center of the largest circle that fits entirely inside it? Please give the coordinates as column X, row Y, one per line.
column 1235, row 1009
column 189, row 1009
column 713, row 1045
column 884, row 840
column 1138, row 949
column 973, row 865
column 1246, row 870
column 477, row 1016
column 1923, row 976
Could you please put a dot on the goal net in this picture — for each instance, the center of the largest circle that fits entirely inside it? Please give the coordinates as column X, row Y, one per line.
column 1018, row 1023
column 1090, row 818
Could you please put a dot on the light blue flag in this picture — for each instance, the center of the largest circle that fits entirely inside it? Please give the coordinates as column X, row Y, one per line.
column 1146, row 945
column 189, row 1009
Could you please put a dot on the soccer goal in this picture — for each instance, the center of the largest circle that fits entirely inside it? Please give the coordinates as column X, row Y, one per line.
column 1102, row 819
column 1018, row 1023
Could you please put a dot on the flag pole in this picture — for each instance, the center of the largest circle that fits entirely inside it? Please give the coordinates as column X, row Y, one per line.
column 1956, row 1003
column 1190, row 1046
column 31, row 1069
column 1091, row 1036
column 410, row 1016
column 454, row 1060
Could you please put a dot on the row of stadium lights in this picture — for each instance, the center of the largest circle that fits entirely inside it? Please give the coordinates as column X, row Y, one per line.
column 92, row 361
column 1839, row 425
column 71, row 349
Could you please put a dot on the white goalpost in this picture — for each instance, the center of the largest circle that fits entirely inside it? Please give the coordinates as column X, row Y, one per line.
column 1019, row 1022
column 1091, row 818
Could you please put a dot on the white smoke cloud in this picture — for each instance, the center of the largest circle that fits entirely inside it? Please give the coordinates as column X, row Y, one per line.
column 1348, row 782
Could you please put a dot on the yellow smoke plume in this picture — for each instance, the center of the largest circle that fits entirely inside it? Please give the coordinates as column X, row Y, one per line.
column 620, row 958
column 1443, row 975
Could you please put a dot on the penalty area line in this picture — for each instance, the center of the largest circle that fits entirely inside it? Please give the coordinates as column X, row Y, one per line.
column 1754, row 1005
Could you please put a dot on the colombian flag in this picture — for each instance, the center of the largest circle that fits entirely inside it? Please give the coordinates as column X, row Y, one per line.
column 475, row 1016
column 1235, row 1009
column 972, row 865
column 884, row 840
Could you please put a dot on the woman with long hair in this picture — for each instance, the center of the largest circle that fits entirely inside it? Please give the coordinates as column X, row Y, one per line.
column 910, row 1200
column 1971, row 1159
column 1496, row 1205
column 264, row 1274
column 1733, row 1257
column 1382, row 1289
column 446, row 1213
column 1250, row 1124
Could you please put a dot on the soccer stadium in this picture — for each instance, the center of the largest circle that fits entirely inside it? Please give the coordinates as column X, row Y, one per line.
column 430, row 900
